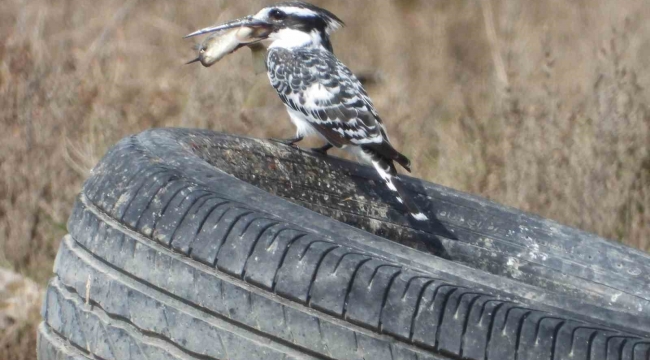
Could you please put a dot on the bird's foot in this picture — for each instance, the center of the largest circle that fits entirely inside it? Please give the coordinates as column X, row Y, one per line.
column 288, row 142
column 322, row 150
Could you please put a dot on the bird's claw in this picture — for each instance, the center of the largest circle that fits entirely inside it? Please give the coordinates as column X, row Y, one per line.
column 322, row 150
column 289, row 142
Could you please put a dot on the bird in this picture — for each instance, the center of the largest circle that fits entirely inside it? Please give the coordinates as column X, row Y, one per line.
column 321, row 94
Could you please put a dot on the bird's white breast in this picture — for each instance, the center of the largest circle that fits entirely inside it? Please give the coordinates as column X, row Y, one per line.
column 303, row 127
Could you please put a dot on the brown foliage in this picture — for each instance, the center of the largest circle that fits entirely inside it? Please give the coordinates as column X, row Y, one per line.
column 540, row 105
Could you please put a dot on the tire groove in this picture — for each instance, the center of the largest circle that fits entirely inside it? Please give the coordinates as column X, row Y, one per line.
column 137, row 191
column 641, row 343
column 577, row 328
column 282, row 259
column 442, row 316
column 413, row 278
column 172, row 179
column 75, row 316
column 275, row 237
column 590, row 344
column 76, row 298
column 460, row 300
column 254, row 312
column 336, row 267
column 178, row 225
column 374, row 273
column 519, row 328
column 76, row 346
column 132, row 176
column 254, row 246
column 207, row 215
column 349, row 289
column 111, row 345
column 385, row 299
column 541, row 320
column 59, row 343
column 286, row 323
column 211, row 196
column 208, row 311
column 416, row 311
column 322, row 337
column 223, row 346
column 225, row 236
column 615, row 337
column 198, row 232
column 505, row 322
column 310, row 245
column 466, row 322
column 556, row 334
column 164, row 312
column 164, row 209
column 243, row 231
column 622, row 347
column 491, row 329
column 313, row 277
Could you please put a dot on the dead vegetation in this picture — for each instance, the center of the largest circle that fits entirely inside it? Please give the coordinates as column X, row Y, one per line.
column 538, row 105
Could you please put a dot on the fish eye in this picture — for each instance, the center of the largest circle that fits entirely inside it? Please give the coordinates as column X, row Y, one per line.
column 277, row 14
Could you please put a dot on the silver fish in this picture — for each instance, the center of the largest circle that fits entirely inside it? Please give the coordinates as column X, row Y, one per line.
column 215, row 47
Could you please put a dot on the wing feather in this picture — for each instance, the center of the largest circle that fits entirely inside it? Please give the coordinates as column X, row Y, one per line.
column 315, row 83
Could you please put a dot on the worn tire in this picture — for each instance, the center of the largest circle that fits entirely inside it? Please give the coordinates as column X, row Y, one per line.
column 189, row 244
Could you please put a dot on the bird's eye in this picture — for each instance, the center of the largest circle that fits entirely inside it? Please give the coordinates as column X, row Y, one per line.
column 277, row 14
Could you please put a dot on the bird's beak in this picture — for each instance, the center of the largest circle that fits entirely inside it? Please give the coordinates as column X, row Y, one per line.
column 193, row 61
column 262, row 28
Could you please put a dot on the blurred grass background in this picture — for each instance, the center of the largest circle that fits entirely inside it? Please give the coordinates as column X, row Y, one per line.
column 541, row 105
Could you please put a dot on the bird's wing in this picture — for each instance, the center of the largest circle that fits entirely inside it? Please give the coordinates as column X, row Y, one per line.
column 325, row 91
column 317, row 85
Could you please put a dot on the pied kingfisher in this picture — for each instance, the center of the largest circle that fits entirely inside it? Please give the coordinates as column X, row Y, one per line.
column 320, row 93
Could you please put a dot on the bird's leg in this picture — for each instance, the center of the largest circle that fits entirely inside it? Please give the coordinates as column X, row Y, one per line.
column 289, row 142
column 323, row 149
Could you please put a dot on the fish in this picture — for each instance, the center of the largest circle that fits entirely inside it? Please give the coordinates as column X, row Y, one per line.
column 217, row 46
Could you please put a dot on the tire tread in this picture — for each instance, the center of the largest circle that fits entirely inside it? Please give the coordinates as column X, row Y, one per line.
column 283, row 290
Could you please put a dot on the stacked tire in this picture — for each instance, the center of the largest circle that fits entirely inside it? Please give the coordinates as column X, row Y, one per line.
column 189, row 244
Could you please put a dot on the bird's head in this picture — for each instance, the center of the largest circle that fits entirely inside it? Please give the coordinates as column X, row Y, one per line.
column 287, row 24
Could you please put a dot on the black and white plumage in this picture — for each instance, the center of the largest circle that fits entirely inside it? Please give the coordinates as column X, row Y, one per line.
column 324, row 97
column 321, row 94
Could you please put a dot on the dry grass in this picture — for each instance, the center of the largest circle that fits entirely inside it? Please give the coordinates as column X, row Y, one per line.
column 541, row 105
column 20, row 300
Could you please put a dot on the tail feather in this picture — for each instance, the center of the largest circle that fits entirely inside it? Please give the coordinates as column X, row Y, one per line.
column 387, row 151
column 413, row 209
column 387, row 171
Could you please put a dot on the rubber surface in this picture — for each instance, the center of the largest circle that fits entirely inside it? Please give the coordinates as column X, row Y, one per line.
column 169, row 256
column 52, row 346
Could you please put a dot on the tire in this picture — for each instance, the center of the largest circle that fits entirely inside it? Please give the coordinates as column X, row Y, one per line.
column 189, row 244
